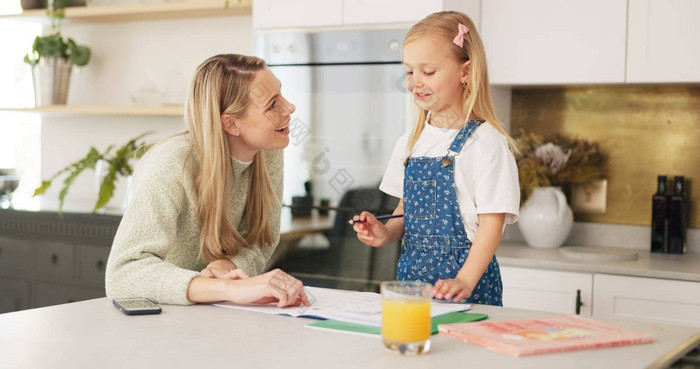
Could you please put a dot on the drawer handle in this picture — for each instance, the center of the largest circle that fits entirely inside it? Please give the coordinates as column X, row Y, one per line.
column 100, row 265
column 54, row 259
column 579, row 303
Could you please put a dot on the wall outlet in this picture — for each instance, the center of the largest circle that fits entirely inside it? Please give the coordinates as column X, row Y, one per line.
column 589, row 198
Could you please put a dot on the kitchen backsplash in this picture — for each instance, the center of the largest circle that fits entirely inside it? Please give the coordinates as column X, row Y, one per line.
column 644, row 130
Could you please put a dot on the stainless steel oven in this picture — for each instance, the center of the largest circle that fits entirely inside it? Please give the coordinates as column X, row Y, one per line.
column 350, row 106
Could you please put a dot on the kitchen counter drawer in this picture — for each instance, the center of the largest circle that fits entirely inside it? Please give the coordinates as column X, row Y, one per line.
column 15, row 257
column 93, row 263
column 55, row 261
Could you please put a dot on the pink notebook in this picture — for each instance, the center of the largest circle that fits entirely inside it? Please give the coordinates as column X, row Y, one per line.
column 550, row 334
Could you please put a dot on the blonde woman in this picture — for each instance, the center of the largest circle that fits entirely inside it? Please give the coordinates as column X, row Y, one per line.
column 455, row 172
column 204, row 215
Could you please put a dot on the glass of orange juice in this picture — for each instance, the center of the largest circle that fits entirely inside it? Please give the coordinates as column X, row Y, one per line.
column 406, row 316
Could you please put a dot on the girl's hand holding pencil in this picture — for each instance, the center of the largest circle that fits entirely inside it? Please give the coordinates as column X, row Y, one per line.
column 370, row 230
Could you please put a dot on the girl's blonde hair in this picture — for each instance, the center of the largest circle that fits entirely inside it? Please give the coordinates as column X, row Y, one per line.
column 221, row 84
column 476, row 97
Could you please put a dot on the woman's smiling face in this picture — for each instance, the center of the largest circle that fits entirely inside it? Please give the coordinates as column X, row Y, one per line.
column 265, row 125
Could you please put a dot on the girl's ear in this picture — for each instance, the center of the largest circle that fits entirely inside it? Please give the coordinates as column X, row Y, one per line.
column 229, row 125
column 466, row 70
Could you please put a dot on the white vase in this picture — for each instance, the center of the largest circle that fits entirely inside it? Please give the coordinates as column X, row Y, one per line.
column 545, row 218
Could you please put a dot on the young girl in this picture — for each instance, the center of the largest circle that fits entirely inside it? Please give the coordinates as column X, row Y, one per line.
column 205, row 206
column 455, row 172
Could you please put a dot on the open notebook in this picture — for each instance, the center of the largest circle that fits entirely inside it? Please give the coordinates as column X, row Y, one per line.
column 345, row 306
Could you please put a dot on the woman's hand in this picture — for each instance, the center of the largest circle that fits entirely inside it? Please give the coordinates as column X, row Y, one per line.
column 454, row 289
column 273, row 286
column 223, row 269
column 370, row 231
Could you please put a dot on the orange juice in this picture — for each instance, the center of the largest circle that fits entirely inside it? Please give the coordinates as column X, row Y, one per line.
column 406, row 319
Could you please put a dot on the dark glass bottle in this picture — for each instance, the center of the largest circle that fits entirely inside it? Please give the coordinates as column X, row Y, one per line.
column 659, row 217
column 678, row 218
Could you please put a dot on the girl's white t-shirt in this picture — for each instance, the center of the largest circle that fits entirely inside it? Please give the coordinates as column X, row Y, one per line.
column 486, row 176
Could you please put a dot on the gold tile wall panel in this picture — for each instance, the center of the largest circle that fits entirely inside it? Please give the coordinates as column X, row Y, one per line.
column 644, row 131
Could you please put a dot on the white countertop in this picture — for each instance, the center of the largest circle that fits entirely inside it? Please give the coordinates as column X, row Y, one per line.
column 94, row 334
column 667, row 266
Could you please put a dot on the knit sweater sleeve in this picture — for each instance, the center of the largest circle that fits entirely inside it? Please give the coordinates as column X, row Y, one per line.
column 253, row 259
column 148, row 257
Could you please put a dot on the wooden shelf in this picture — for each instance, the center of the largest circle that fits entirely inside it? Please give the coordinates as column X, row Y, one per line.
column 134, row 111
column 147, row 11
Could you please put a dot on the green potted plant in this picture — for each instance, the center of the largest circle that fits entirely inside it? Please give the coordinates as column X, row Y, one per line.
column 117, row 162
column 52, row 59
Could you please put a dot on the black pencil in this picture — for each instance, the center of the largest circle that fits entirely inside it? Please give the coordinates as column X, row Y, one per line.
column 381, row 217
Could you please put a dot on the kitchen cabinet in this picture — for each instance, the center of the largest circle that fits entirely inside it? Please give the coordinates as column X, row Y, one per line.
column 547, row 290
column 55, row 261
column 659, row 300
column 15, row 258
column 14, row 295
column 40, row 273
column 271, row 14
column 554, row 42
column 297, row 13
column 47, row 294
column 15, row 266
column 662, row 42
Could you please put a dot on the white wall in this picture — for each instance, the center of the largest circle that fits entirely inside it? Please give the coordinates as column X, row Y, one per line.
column 127, row 57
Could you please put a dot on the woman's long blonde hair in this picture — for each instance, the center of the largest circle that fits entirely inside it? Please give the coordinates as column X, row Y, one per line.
column 476, row 98
column 221, row 84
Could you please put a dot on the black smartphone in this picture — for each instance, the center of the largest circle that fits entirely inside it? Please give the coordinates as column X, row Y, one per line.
column 136, row 306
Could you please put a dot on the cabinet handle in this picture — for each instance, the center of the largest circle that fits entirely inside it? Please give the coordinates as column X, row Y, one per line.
column 54, row 259
column 579, row 303
column 100, row 265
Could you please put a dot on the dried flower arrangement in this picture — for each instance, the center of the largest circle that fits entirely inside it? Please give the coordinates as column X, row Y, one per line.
column 557, row 161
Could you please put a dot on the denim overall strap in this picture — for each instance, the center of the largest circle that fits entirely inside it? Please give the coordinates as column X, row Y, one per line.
column 463, row 134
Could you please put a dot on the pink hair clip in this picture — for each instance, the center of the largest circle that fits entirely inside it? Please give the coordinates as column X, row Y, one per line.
column 461, row 31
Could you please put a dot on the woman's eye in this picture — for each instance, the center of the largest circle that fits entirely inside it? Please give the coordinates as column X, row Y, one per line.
column 428, row 73
column 272, row 106
column 409, row 73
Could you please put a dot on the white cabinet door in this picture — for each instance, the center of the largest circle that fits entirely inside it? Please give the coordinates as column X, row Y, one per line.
column 660, row 300
column 547, row 290
column 554, row 41
column 388, row 11
column 296, row 13
column 663, row 43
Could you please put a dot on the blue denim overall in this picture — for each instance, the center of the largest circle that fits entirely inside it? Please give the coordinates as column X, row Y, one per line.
column 435, row 243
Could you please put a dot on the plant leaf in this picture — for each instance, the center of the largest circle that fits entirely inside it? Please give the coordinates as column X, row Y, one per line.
column 77, row 168
column 42, row 189
column 106, row 188
column 80, row 55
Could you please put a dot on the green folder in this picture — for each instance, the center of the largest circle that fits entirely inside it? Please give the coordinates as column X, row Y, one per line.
column 457, row 317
